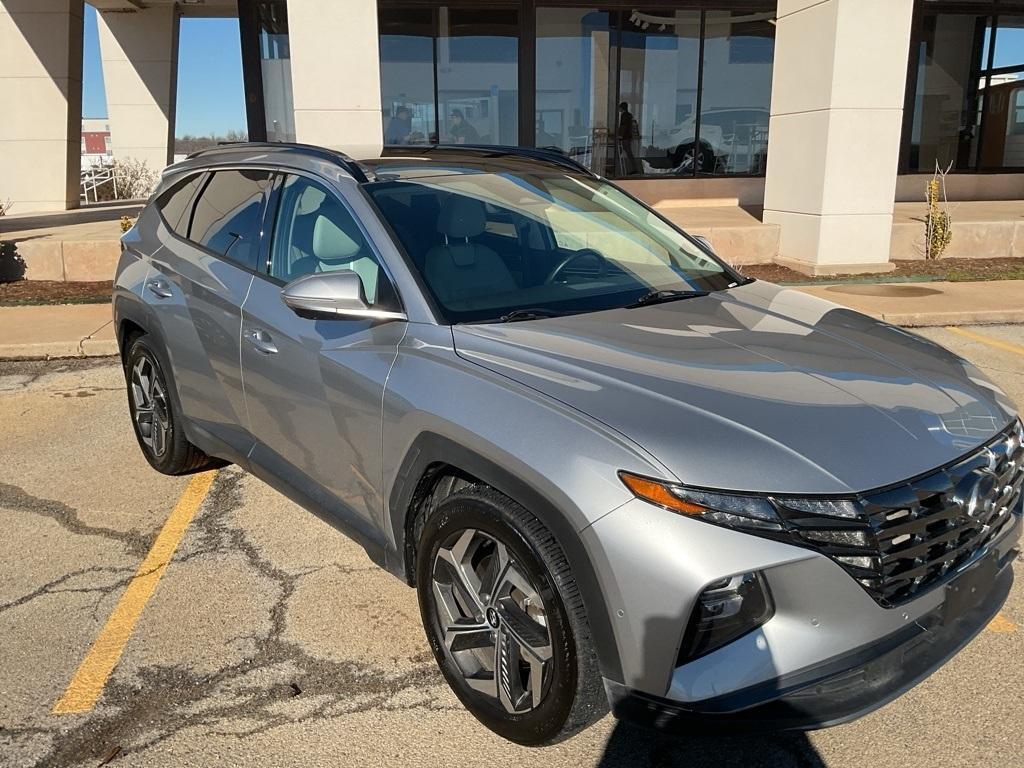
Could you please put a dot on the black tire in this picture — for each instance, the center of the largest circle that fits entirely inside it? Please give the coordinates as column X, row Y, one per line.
column 705, row 160
column 573, row 694
column 173, row 454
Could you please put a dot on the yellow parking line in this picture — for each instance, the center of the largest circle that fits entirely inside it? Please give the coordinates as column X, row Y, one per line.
column 87, row 683
column 1006, row 346
column 1001, row 625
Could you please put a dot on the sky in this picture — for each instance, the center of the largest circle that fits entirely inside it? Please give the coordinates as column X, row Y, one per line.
column 210, row 95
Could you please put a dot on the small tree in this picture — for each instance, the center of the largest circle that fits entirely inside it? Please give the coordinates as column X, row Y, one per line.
column 5, row 206
column 938, row 224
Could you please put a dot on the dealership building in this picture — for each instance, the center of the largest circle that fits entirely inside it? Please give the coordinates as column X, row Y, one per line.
column 818, row 117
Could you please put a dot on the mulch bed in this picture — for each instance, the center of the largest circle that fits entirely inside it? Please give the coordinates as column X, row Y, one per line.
column 54, row 292
column 953, row 270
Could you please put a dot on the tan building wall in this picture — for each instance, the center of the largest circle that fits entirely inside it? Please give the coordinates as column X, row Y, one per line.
column 335, row 64
column 41, row 98
column 140, row 62
column 837, row 110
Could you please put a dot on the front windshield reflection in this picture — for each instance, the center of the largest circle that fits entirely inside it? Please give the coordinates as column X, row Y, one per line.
column 488, row 244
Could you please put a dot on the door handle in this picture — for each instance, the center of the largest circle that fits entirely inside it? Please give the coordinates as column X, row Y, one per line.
column 159, row 288
column 260, row 340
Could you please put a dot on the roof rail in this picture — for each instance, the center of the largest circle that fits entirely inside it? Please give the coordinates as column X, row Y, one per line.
column 550, row 155
column 331, row 155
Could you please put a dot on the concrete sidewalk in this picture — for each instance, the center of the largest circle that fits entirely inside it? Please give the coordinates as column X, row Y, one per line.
column 86, row 330
column 924, row 304
column 62, row 330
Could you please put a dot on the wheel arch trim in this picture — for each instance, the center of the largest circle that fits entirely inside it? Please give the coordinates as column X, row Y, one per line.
column 129, row 308
column 429, row 450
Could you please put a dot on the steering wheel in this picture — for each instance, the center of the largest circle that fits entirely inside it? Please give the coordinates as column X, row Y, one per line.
column 602, row 264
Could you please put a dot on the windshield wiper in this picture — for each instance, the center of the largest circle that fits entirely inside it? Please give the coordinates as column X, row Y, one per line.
column 660, row 297
column 537, row 313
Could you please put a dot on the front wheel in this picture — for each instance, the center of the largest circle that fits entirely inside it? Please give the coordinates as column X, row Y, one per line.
column 505, row 621
column 155, row 419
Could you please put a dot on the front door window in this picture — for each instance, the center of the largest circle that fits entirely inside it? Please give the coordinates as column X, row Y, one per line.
column 316, row 233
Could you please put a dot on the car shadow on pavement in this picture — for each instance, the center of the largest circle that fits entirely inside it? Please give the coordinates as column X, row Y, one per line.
column 630, row 746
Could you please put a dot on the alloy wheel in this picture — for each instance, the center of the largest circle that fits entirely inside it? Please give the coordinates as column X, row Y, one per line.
column 149, row 405
column 493, row 621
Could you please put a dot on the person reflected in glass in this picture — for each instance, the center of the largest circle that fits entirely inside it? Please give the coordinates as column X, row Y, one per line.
column 460, row 131
column 399, row 128
column 628, row 132
column 545, row 139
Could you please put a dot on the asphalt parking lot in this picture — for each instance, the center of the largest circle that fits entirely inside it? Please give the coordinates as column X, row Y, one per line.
column 271, row 640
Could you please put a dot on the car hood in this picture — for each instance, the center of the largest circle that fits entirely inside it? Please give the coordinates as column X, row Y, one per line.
column 757, row 388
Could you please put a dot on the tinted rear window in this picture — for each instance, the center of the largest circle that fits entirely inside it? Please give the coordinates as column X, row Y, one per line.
column 175, row 200
column 228, row 213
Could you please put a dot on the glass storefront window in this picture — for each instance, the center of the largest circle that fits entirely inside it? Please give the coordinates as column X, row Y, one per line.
column 407, row 76
column 627, row 92
column 276, row 68
column 1002, row 140
column 449, row 75
column 739, row 49
column 945, row 109
column 478, row 76
column 658, row 86
column 969, row 81
column 575, row 91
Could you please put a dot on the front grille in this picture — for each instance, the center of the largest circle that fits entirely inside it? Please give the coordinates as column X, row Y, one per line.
column 901, row 541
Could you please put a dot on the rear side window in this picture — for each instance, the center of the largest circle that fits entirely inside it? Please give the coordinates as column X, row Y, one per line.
column 227, row 216
column 173, row 203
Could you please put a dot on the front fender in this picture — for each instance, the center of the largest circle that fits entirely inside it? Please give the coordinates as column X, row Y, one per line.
column 555, row 461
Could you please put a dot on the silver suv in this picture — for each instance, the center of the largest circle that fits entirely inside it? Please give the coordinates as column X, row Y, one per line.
column 616, row 471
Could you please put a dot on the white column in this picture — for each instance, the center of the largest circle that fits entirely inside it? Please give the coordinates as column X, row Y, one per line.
column 335, row 62
column 140, row 70
column 836, row 119
column 40, row 103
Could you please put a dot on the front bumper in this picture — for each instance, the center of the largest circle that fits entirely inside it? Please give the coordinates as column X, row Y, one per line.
column 833, row 691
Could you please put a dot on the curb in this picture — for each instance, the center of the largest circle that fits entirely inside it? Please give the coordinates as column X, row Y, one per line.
column 929, row 319
column 53, row 350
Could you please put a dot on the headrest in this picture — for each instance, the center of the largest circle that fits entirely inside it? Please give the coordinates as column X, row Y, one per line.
column 331, row 243
column 461, row 217
column 310, row 200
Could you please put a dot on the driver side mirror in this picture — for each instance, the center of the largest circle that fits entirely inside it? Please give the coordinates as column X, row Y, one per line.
column 333, row 296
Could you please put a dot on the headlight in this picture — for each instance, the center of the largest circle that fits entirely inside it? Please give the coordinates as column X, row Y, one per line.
column 757, row 514
column 725, row 509
column 731, row 607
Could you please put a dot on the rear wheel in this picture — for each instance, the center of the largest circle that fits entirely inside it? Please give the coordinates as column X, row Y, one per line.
column 154, row 416
column 505, row 620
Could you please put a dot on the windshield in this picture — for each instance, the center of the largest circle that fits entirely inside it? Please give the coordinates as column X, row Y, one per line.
column 493, row 246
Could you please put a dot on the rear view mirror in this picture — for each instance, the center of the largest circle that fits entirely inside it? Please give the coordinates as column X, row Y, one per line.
column 333, row 295
column 704, row 242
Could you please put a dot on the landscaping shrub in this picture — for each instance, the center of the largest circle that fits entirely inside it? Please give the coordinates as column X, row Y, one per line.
column 938, row 224
column 12, row 266
column 135, row 179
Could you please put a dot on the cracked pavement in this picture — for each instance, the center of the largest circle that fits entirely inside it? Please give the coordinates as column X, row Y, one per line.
column 272, row 640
